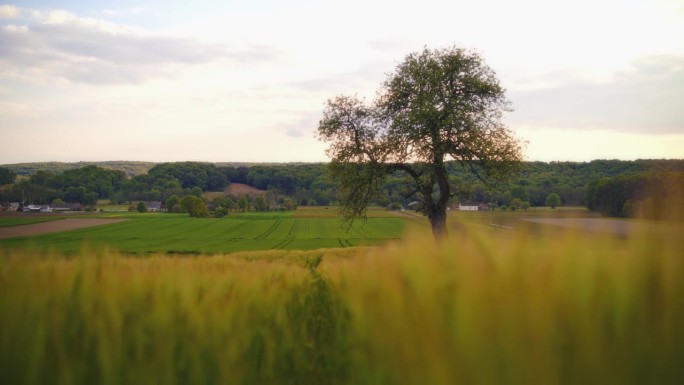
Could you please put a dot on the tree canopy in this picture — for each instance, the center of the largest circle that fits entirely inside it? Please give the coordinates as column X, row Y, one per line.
column 438, row 105
column 194, row 206
column 102, row 182
column 651, row 195
column 7, row 176
column 206, row 176
column 553, row 200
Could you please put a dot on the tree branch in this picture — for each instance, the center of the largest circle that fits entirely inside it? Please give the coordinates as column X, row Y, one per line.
column 407, row 169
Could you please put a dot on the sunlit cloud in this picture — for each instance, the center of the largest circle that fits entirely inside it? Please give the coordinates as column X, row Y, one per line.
column 9, row 12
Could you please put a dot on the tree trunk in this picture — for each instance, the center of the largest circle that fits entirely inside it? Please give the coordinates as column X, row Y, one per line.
column 438, row 221
column 437, row 214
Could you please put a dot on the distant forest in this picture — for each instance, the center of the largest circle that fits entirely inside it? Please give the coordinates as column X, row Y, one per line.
column 577, row 183
column 131, row 168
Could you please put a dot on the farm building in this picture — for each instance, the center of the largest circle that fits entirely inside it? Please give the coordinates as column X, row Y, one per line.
column 153, row 206
column 45, row 208
column 462, row 207
column 37, row 209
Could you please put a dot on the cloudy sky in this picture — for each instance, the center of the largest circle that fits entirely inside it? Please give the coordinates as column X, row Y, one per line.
column 246, row 80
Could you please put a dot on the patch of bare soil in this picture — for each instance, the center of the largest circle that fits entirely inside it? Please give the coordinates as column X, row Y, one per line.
column 238, row 189
column 53, row 226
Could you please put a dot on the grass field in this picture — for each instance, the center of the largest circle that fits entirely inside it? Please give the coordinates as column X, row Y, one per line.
column 498, row 304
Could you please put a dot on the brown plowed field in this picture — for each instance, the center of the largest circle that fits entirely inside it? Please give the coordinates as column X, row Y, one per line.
column 53, row 226
column 238, row 189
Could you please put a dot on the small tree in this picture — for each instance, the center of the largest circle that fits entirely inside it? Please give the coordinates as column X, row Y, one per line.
column 194, row 206
column 141, row 208
column 171, row 202
column 220, row 212
column 553, row 200
column 229, row 204
column 260, row 203
column 289, row 204
column 243, row 203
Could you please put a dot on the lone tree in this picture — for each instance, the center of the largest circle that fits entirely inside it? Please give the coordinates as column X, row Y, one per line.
column 553, row 200
column 439, row 105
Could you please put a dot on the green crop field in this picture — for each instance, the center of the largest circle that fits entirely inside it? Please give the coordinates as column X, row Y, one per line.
column 166, row 233
column 17, row 221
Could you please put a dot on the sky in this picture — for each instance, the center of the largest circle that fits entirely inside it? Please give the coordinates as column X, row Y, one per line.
column 247, row 80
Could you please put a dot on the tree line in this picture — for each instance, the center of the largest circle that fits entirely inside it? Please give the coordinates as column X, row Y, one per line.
column 131, row 168
column 658, row 195
column 575, row 183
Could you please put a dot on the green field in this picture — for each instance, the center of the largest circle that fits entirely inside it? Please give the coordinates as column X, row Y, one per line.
column 167, row 233
column 18, row 221
column 497, row 303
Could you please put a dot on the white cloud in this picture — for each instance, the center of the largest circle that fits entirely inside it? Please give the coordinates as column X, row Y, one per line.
column 61, row 45
column 111, row 12
column 9, row 12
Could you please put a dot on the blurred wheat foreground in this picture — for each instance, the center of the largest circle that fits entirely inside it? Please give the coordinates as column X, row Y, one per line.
column 487, row 306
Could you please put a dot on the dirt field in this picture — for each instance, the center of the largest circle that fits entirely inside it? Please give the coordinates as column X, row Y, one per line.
column 53, row 226
column 239, row 189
